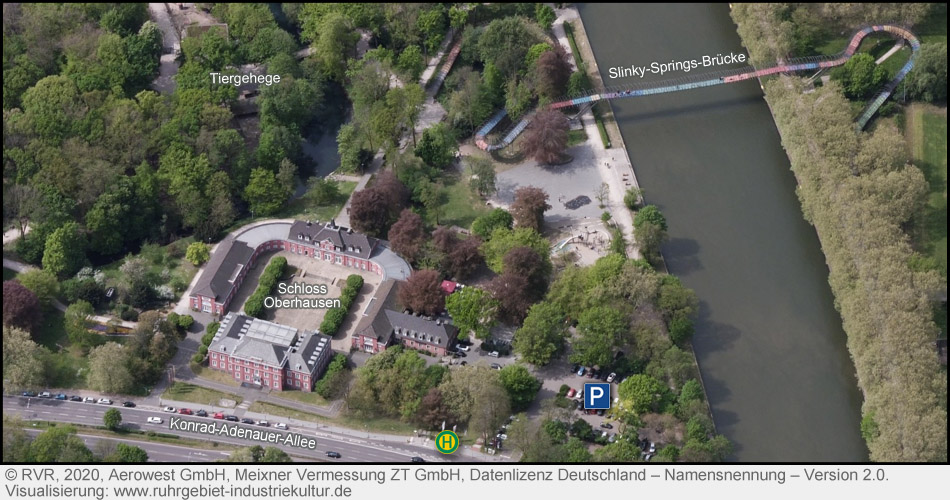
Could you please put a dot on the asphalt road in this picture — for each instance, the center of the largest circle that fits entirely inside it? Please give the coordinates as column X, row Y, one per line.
column 351, row 449
column 157, row 452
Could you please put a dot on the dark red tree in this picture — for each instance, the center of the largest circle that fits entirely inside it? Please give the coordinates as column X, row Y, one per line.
column 529, row 206
column 525, row 261
column 552, row 72
column 395, row 192
column 444, row 240
column 407, row 235
column 21, row 308
column 422, row 292
column 546, row 137
column 369, row 212
column 513, row 295
column 464, row 258
column 433, row 411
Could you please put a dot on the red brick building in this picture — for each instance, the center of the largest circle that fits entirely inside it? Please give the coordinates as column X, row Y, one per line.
column 267, row 354
column 228, row 266
column 386, row 323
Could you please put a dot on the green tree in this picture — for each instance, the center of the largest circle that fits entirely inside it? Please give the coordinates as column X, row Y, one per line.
column 22, row 363
column 59, row 444
column 112, row 419
column 76, row 321
column 650, row 214
column 412, row 62
column 928, row 80
column 198, row 253
column 263, row 193
column 65, row 251
column 431, row 25
column 602, row 331
column 437, row 147
column 860, row 76
column 521, row 386
column 641, row 393
column 109, row 369
column 322, row 191
column 472, row 310
column 485, row 225
column 129, row 454
column 577, row 451
column 41, row 282
column 503, row 240
column 542, row 334
column 482, row 180
column 504, row 43
column 333, row 44
column 457, row 17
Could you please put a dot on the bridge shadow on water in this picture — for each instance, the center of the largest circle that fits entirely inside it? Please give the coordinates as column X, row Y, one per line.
column 632, row 117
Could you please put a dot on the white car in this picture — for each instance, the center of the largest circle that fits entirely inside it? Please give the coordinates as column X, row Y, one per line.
column 45, row 394
column 462, row 347
column 502, row 436
column 169, row 409
column 652, row 447
column 154, row 420
column 280, row 425
column 88, row 399
column 493, row 354
column 104, row 401
column 611, row 377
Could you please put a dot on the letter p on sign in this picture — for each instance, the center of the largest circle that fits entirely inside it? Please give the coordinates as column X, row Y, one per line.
column 596, row 396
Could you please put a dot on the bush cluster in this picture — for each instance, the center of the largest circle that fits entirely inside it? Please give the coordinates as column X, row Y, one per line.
column 335, row 316
column 255, row 303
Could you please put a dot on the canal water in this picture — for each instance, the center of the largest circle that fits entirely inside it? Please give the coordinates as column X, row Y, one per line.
column 769, row 341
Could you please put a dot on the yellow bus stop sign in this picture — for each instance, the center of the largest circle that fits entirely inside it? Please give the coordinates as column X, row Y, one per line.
column 446, row 442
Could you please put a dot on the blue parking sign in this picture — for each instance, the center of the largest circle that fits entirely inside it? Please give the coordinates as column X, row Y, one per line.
column 596, row 396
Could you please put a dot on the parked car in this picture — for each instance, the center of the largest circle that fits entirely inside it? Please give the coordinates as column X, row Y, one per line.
column 604, row 434
column 247, row 421
column 231, row 418
column 280, row 425
column 88, row 399
column 495, row 366
column 75, row 398
column 603, row 376
column 169, row 409
column 185, row 411
column 334, row 454
column 104, row 401
column 571, row 393
column 219, row 415
column 611, row 377
column 605, row 425
column 652, row 447
column 465, row 342
column 493, row 354
column 612, row 438
column 264, row 423
column 575, row 368
column 128, row 404
column 417, row 459
column 45, row 394
column 648, row 457
column 600, row 413
column 459, row 354
column 461, row 347
column 154, row 420
column 29, row 394
column 201, row 413
column 60, row 397
column 581, row 370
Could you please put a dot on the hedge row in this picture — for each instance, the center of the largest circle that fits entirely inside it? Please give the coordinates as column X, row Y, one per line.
column 255, row 303
column 335, row 316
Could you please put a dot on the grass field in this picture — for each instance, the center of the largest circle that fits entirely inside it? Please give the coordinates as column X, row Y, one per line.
column 575, row 137
column 460, row 206
column 385, row 425
column 214, row 375
column 180, row 391
column 310, row 398
column 927, row 136
column 300, row 208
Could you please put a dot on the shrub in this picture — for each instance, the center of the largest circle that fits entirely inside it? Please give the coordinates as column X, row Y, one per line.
column 563, row 390
column 335, row 316
column 255, row 303
column 185, row 321
column 203, row 350
column 198, row 358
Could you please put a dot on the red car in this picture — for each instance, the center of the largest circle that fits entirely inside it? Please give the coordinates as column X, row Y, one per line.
column 185, row 411
column 571, row 393
column 219, row 416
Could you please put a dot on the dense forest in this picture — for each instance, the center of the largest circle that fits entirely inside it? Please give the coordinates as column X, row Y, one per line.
column 862, row 194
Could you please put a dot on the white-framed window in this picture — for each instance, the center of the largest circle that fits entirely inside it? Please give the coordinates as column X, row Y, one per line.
column 247, row 377
column 339, row 259
column 214, row 363
column 276, row 384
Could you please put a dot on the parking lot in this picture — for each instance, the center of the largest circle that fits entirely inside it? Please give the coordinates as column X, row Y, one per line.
column 559, row 372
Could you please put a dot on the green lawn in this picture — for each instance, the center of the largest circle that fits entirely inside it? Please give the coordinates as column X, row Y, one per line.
column 310, row 398
column 575, row 137
column 934, row 28
column 214, row 375
column 927, row 131
column 300, row 208
column 461, row 207
column 180, row 391
column 385, row 425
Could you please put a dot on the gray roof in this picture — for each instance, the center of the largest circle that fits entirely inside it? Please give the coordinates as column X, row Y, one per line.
column 422, row 330
column 344, row 239
column 254, row 339
column 309, row 352
column 376, row 325
column 228, row 259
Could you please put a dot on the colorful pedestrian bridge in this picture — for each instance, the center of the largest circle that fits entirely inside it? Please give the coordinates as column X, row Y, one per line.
column 718, row 78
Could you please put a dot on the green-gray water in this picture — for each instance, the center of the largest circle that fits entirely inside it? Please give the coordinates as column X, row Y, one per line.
column 769, row 341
